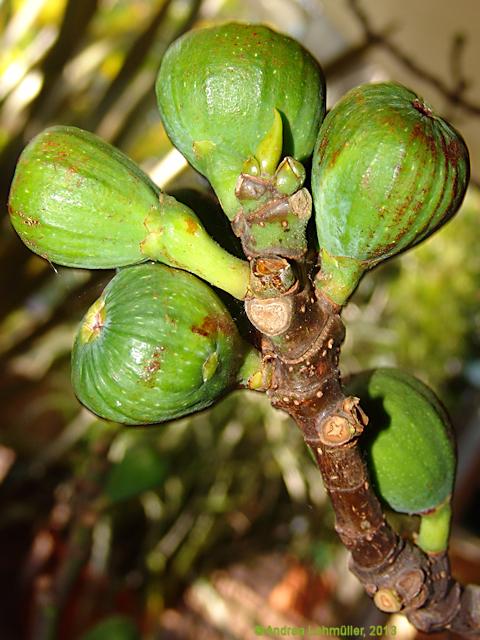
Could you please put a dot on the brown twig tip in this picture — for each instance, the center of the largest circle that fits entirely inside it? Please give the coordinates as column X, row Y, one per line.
column 387, row 600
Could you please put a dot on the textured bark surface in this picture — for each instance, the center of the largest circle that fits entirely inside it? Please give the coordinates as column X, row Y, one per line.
column 307, row 385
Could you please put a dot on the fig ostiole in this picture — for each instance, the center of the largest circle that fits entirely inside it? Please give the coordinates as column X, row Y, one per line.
column 409, row 449
column 386, row 173
column 79, row 202
column 217, row 89
column 157, row 345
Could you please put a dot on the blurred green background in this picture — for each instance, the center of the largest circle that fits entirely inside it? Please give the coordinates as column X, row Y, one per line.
column 204, row 527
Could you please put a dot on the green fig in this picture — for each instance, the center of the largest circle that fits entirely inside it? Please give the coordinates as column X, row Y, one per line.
column 234, row 98
column 409, row 448
column 387, row 172
column 79, row 202
column 142, row 468
column 116, row 627
column 158, row 344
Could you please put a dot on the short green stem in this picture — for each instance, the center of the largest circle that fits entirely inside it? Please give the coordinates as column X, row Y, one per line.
column 178, row 239
column 435, row 529
column 338, row 277
column 254, row 373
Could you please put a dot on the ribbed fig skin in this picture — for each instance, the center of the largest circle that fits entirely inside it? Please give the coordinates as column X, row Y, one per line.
column 386, row 173
column 221, row 84
column 79, row 202
column 161, row 346
column 408, row 441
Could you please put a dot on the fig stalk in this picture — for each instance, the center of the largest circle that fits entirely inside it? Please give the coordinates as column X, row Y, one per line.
column 435, row 529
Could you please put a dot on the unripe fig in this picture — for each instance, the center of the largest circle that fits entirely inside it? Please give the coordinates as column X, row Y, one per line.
column 409, row 448
column 387, row 172
column 117, row 627
column 223, row 93
column 158, row 344
column 79, row 202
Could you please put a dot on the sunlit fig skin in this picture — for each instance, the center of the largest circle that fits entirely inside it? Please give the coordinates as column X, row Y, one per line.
column 158, row 344
column 386, row 173
column 218, row 89
column 80, row 202
column 408, row 442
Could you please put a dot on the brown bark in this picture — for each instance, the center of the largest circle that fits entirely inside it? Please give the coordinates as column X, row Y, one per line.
column 307, row 385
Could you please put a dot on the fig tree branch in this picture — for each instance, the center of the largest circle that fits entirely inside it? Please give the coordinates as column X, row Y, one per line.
column 307, row 385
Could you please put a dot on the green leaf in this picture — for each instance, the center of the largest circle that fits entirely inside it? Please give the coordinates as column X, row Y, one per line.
column 113, row 628
column 141, row 469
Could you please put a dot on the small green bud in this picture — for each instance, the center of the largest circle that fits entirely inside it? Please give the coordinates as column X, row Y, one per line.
column 251, row 167
column 290, row 176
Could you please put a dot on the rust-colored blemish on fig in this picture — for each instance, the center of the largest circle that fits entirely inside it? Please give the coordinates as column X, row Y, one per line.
column 321, row 147
column 359, row 97
column 28, row 220
column 192, row 226
column 170, row 319
column 419, row 133
column 50, row 142
column 211, row 325
column 334, row 157
column 153, row 365
column 207, row 328
column 452, row 150
column 59, row 156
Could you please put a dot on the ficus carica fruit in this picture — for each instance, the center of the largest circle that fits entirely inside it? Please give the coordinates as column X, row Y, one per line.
column 80, row 202
column 409, row 448
column 158, row 344
column 387, row 172
column 235, row 99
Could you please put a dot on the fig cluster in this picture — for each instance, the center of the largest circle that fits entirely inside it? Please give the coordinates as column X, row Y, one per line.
column 245, row 105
